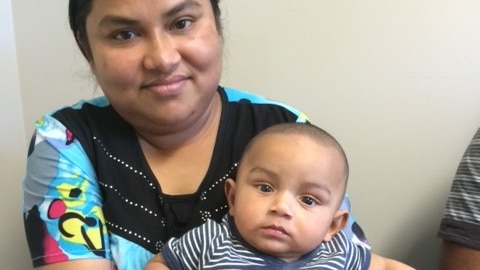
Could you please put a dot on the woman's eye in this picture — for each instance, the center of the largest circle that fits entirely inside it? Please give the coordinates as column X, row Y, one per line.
column 265, row 188
column 124, row 35
column 308, row 201
column 182, row 24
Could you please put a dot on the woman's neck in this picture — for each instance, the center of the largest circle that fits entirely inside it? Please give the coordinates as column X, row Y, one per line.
column 194, row 132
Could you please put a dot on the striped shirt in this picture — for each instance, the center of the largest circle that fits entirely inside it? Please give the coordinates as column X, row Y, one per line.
column 218, row 246
column 461, row 220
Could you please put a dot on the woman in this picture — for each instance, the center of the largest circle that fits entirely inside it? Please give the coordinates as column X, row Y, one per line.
column 110, row 180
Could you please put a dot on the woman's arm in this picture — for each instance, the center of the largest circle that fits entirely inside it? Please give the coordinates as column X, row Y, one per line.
column 381, row 263
column 100, row 264
column 62, row 203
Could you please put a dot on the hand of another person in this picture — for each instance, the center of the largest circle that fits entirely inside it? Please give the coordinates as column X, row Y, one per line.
column 381, row 263
column 455, row 256
column 156, row 263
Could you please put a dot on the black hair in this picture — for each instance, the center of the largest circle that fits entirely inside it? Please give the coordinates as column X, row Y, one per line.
column 78, row 11
column 317, row 134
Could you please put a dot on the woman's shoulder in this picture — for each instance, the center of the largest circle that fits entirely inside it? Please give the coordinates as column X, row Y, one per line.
column 84, row 121
column 237, row 96
column 92, row 114
column 72, row 113
column 83, row 105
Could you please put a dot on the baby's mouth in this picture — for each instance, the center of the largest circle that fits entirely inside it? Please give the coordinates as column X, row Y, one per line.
column 276, row 230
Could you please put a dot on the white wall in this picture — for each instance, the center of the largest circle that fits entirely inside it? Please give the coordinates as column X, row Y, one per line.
column 13, row 250
column 52, row 71
column 397, row 82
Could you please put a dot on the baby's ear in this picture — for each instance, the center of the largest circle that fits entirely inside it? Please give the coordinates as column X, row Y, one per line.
column 230, row 186
column 338, row 223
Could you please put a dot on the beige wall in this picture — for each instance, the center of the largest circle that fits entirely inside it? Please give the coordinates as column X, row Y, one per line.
column 397, row 82
column 13, row 250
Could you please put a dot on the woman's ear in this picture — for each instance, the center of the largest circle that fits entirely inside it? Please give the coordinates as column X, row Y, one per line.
column 338, row 223
column 230, row 186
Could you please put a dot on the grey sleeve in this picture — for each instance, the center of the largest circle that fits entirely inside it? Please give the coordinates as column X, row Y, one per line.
column 461, row 219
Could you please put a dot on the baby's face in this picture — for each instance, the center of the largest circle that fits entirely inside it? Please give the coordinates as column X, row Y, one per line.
column 287, row 192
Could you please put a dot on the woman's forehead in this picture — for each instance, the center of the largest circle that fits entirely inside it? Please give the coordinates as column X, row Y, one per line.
column 107, row 12
column 159, row 5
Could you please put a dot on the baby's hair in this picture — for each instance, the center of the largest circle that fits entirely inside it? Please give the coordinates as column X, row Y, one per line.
column 315, row 133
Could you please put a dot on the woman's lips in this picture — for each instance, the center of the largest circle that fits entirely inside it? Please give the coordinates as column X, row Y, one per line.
column 167, row 87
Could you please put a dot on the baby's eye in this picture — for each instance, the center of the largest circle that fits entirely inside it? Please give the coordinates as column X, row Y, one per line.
column 182, row 24
column 264, row 188
column 125, row 35
column 308, row 200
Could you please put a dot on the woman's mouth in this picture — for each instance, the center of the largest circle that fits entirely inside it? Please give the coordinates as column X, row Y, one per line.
column 166, row 87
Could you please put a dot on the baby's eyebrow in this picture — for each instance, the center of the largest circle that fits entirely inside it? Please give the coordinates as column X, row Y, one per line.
column 320, row 186
column 264, row 170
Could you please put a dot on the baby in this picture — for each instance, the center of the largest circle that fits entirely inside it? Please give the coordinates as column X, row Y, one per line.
column 283, row 211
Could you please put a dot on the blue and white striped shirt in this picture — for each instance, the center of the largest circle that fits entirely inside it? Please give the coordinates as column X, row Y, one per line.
column 218, row 246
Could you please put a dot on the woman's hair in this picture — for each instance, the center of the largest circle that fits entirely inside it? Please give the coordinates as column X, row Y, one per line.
column 78, row 11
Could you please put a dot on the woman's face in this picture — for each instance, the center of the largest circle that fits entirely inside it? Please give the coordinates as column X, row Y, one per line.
column 158, row 61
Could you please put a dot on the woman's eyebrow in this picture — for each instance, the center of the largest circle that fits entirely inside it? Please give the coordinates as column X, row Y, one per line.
column 187, row 4
column 110, row 20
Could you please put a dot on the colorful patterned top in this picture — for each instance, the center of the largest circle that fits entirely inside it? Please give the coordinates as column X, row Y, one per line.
column 89, row 192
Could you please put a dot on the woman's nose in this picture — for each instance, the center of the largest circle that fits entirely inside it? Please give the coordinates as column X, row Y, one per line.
column 161, row 53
